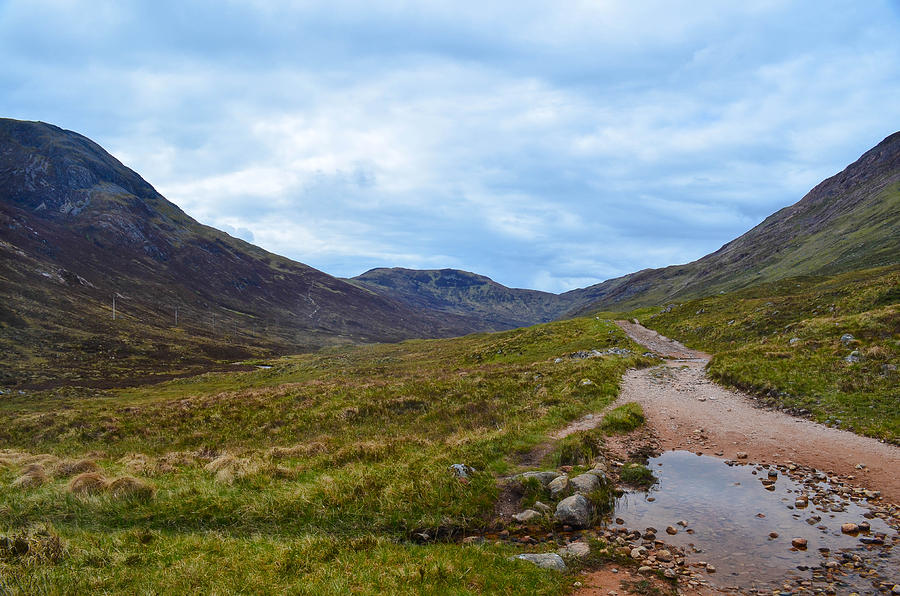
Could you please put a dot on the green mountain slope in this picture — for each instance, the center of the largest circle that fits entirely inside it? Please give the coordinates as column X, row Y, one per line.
column 849, row 221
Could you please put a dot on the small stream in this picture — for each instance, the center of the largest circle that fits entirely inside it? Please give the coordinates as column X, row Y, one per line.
column 731, row 516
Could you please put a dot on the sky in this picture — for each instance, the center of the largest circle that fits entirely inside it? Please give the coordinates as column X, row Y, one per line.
column 547, row 145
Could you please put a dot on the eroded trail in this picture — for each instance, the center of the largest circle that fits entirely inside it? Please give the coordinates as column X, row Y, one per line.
column 688, row 411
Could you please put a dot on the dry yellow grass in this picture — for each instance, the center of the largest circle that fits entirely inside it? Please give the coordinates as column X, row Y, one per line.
column 66, row 468
column 32, row 476
column 89, row 483
column 131, row 487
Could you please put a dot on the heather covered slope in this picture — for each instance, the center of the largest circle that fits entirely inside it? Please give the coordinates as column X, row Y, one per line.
column 77, row 227
column 847, row 222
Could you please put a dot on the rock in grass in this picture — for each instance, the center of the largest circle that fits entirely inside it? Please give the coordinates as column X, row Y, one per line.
column 462, row 471
column 574, row 511
column 586, row 483
column 853, row 357
column 543, row 560
column 559, row 486
column 544, row 477
column 576, row 550
column 542, row 507
column 527, row 516
column 847, row 339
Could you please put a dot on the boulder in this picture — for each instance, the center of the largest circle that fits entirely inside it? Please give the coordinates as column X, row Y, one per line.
column 559, row 486
column 543, row 560
column 462, row 470
column 576, row 550
column 527, row 516
column 574, row 511
column 585, row 483
column 544, row 477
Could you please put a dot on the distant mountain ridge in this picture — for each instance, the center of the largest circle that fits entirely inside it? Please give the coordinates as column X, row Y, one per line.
column 466, row 294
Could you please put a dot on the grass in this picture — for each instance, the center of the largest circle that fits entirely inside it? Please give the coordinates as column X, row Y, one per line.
column 637, row 475
column 319, row 475
column 623, row 419
column 782, row 342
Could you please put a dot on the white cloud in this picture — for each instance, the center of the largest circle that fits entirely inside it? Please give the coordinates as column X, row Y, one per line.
column 539, row 144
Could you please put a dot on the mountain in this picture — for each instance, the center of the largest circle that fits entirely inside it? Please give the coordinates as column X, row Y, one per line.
column 466, row 294
column 77, row 227
column 849, row 221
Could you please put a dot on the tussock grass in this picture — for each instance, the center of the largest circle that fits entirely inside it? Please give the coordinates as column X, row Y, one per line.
column 315, row 476
column 33, row 476
column 67, row 468
column 131, row 488
column 88, row 483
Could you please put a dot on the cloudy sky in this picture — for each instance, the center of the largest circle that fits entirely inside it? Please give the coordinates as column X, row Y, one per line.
column 548, row 145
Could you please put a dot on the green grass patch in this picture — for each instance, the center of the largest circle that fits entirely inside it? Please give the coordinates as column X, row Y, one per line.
column 623, row 419
column 637, row 475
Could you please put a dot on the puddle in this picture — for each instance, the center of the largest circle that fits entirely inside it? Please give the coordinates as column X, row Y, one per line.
column 732, row 514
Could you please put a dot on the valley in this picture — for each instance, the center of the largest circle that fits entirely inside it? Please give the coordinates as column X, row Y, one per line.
column 243, row 422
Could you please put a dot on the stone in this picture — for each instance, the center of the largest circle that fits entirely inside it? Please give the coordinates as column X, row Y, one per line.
column 574, row 511
column 585, row 483
column 794, row 340
column 671, row 530
column 473, row 540
column 798, row 543
column 849, row 528
column 638, row 552
column 462, row 471
column 741, row 455
column 543, row 560
column 645, row 569
column 577, row 550
column 847, row 339
column 542, row 507
column 526, row 516
column 853, row 357
column 669, row 574
column 710, row 568
column 544, row 477
column 559, row 486
column 664, row 555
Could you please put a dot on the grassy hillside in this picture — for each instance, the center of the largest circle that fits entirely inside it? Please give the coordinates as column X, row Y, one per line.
column 783, row 342
column 320, row 475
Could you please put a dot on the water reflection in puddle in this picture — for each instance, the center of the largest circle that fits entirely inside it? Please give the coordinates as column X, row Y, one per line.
column 732, row 516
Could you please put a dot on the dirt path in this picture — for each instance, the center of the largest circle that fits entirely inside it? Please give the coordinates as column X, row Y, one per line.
column 688, row 411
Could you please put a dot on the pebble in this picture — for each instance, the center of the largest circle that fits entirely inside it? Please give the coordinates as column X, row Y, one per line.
column 799, row 542
column 671, row 530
